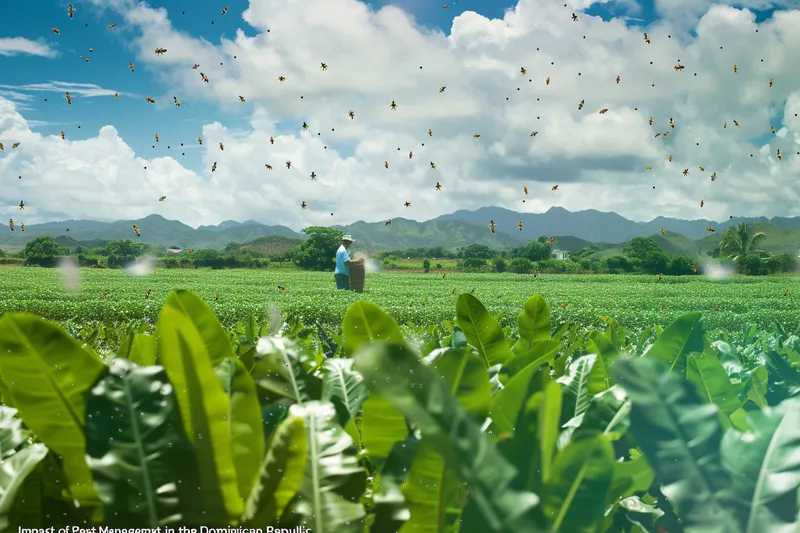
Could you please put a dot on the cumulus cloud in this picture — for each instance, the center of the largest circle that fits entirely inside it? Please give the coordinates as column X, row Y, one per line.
column 374, row 57
column 11, row 46
column 87, row 90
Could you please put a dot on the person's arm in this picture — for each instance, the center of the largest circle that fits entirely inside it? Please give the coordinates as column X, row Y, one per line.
column 351, row 262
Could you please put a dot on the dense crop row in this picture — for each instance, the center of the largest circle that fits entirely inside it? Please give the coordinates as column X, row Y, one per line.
column 636, row 301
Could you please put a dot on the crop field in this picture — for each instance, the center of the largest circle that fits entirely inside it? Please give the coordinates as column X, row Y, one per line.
column 412, row 298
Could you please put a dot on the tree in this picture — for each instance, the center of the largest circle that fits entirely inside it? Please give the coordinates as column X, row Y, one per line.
column 499, row 265
column 477, row 251
column 655, row 262
column 426, row 265
column 318, row 252
column 123, row 251
column 739, row 243
column 521, row 265
column 537, row 250
column 41, row 251
column 639, row 247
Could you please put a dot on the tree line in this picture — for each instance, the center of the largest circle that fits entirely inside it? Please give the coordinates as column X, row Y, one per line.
column 738, row 246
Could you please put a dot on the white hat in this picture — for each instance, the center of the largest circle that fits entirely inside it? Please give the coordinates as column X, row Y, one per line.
column 348, row 238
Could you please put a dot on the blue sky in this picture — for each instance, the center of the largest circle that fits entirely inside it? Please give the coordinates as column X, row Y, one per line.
column 136, row 121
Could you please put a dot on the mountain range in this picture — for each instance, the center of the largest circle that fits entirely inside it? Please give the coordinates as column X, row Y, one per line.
column 573, row 230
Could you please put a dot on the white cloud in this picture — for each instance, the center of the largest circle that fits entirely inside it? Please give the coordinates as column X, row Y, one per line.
column 11, row 46
column 87, row 90
column 374, row 57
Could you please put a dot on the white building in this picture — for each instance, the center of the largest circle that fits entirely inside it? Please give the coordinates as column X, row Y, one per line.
column 560, row 255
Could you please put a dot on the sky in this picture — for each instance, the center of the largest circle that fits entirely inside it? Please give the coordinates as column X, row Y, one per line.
column 477, row 132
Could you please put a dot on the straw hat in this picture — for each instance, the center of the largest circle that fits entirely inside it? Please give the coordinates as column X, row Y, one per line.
column 348, row 238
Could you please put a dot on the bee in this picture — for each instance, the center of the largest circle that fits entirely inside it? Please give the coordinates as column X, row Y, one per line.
column 662, row 307
column 221, row 146
column 525, row 190
column 407, row 204
column 388, row 222
column 116, row 96
column 438, row 186
column 11, row 224
column 491, row 225
column 433, row 165
column 216, row 297
column 386, row 164
column 156, row 137
column 779, row 154
column 55, row 30
column 176, row 102
column 130, row 66
column 305, row 126
column 323, row 66
column 21, row 205
column 679, row 67
column 112, row 26
column 430, row 132
column 410, row 154
column 214, row 167
column 713, row 176
column 648, row 168
column 136, row 230
column 717, row 307
column 476, row 135
column 522, row 71
column 563, row 306
column 269, row 167
column 702, row 203
column 303, row 205
column 772, row 129
column 770, row 82
column 663, row 232
column 472, row 291
column 547, row 81
column 147, row 295
column 724, row 125
column 735, row 69
column 670, row 159
column 554, row 188
column 69, row 98
column 671, row 123
column 580, row 105
column 242, row 99
column 195, row 66
column 87, row 59
column 736, row 123
column 702, row 169
column 534, row 133
column 574, row 17
column 603, row 111
column 104, row 293
column 15, row 145
column 71, row 11
column 550, row 241
column 453, row 291
column 204, row 77
column 190, row 250
column 160, row 51
column 62, row 134
column 442, row 88
column 651, row 121
column 685, row 171
column 224, row 10
column 281, row 78
column 661, row 276
column 618, row 79
column 162, row 198
column 313, row 175
column 200, row 140
column 288, row 164
column 694, row 268
column 520, row 225
column 281, row 288
column 646, row 38
column 351, row 114
column 150, row 100
column 786, row 292
column 393, row 105
column 710, row 230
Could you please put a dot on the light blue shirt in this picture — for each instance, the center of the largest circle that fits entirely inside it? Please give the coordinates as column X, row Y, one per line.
column 341, row 257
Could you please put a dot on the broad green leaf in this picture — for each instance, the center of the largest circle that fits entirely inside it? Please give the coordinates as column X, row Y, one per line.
column 204, row 409
column 466, row 374
column 382, row 425
column 204, row 322
column 631, row 477
column 680, row 436
column 12, row 434
column 608, row 413
column 139, row 348
column 712, row 382
column 458, row 340
column 48, row 374
column 575, row 493
column 509, row 401
column 684, row 336
column 756, row 386
column 283, row 370
column 601, row 345
column 366, row 322
column 433, row 492
column 437, row 415
column 764, row 466
column 390, row 506
column 244, row 415
column 541, row 352
column 328, row 498
column 344, row 387
column 281, row 474
column 586, row 377
column 533, row 323
column 482, row 330
column 144, row 467
column 15, row 470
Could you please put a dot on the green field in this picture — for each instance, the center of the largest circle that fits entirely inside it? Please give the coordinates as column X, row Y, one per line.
column 635, row 301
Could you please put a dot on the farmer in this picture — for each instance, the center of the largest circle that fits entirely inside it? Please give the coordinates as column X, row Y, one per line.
column 343, row 262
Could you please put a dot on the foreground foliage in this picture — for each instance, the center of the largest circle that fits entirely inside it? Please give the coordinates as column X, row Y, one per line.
column 469, row 427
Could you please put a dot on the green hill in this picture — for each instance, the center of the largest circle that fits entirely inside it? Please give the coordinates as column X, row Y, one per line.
column 267, row 246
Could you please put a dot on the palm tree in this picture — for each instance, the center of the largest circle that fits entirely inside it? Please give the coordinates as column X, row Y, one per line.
column 740, row 243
